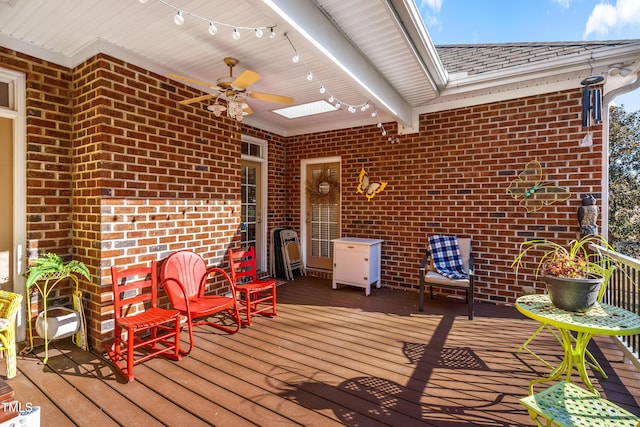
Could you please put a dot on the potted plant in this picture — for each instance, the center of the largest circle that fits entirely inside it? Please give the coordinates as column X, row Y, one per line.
column 45, row 272
column 573, row 274
column 50, row 266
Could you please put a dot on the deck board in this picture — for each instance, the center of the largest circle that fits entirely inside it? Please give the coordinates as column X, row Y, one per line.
column 331, row 357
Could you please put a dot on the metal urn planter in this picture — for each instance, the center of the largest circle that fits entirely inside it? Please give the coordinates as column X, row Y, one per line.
column 573, row 294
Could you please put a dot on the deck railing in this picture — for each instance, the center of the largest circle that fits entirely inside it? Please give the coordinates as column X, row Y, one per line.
column 624, row 291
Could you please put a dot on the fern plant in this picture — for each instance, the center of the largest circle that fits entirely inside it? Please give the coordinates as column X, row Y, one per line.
column 50, row 264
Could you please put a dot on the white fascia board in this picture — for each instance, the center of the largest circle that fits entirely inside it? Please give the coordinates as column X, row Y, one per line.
column 418, row 40
column 310, row 22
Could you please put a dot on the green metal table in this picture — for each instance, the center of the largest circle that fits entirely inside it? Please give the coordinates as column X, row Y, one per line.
column 601, row 319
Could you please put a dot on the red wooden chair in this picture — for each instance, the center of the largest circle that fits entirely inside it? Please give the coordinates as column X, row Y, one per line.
column 257, row 296
column 139, row 322
column 185, row 277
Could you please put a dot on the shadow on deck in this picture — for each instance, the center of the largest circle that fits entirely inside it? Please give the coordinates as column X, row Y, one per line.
column 331, row 357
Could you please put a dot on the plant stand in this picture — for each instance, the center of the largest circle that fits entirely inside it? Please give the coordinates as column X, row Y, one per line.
column 62, row 315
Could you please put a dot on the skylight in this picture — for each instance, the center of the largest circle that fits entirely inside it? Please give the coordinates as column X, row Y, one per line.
column 303, row 110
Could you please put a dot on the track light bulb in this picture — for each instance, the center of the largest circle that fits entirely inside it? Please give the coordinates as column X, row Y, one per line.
column 374, row 114
column 363, row 107
column 272, row 34
column 337, row 105
column 331, row 99
column 384, row 133
column 259, row 33
column 236, row 34
column 309, row 76
column 295, row 58
column 178, row 19
column 212, row 29
column 351, row 109
column 322, row 89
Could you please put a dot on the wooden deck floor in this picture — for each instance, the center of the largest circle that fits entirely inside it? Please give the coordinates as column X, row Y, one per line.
column 331, row 357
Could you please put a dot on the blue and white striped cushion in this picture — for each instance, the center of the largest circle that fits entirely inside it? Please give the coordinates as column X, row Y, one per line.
column 447, row 260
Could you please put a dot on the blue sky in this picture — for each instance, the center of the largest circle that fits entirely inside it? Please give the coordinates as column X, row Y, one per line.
column 502, row 21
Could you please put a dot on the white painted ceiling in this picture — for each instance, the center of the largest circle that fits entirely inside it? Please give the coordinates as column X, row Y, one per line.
column 383, row 45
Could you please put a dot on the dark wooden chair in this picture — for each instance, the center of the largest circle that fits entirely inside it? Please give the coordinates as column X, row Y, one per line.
column 186, row 278
column 257, row 296
column 139, row 324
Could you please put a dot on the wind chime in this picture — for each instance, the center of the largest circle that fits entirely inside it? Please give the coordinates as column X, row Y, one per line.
column 591, row 101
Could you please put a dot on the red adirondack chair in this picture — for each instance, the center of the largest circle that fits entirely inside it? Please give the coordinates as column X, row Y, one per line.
column 139, row 322
column 257, row 296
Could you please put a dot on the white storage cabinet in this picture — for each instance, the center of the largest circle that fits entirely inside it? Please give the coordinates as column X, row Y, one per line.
column 356, row 262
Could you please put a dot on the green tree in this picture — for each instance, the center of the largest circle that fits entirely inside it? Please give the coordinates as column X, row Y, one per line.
column 624, row 181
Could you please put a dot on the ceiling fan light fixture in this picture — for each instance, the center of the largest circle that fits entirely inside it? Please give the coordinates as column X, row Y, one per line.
column 212, row 28
column 178, row 18
column 217, row 109
column 236, row 33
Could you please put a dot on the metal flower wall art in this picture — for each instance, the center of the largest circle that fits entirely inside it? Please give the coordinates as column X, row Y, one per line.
column 533, row 192
column 367, row 187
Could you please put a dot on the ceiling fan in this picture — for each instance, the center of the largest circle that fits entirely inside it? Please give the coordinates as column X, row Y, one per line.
column 234, row 90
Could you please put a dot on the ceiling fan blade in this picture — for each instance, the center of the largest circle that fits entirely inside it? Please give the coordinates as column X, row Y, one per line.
column 190, row 80
column 197, row 99
column 246, row 79
column 279, row 99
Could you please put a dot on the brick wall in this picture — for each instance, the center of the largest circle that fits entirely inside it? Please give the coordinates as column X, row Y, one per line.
column 48, row 133
column 48, row 137
column 153, row 176
column 452, row 176
column 139, row 176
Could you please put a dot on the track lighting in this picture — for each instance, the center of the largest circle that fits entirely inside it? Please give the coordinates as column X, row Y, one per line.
column 212, row 28
column 272, row 35
column 236, row 33
column 309, row 76
column 322, row 89
column 295, row 58
column 338, row 105
column 178, row 18
column 259, row 33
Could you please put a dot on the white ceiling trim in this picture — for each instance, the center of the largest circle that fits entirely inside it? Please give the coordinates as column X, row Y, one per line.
column 320, row 31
